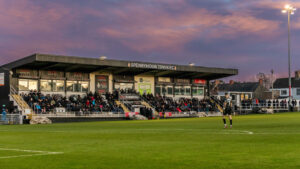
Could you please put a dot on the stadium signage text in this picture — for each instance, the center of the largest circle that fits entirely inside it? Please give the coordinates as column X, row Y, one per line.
column 199, row 81
column 151, row 66
column 27, row 73
column 185, row 81
column 129, row 97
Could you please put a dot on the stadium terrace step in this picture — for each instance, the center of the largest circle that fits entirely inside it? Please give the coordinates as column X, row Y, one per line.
column 122, row 105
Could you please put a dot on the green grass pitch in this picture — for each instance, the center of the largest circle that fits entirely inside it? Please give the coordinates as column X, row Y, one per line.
column 255, row 142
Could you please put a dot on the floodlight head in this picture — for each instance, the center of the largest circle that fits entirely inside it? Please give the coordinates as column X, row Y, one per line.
column 192, row 64
column 102, row 57
column 289, row 9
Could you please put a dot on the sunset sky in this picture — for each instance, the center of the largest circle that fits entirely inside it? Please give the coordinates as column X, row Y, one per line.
column 250, row 35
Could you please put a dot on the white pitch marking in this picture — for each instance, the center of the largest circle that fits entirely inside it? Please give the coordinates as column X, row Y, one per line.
column 40, row 153
column 244, row 131
column 29, row 155
column 56, row 131
column 277, row 133
column 249, row 132
column 212, row 131
column 237, row 132
column 208, row 131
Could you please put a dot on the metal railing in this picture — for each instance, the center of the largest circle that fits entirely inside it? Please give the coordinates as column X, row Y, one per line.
column 13, row 90
column 275, row 106
column 11, row 119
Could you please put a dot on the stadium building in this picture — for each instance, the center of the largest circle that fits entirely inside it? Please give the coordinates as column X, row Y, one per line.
column 67, row 76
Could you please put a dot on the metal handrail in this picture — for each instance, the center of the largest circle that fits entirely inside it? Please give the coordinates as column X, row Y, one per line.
column 18, row 99
column 13, row 90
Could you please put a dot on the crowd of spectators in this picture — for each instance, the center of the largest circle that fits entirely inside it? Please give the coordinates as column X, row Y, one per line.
column 91, row 102
column 167, row 104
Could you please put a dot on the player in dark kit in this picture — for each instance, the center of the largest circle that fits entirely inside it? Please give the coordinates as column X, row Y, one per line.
column 227, row 110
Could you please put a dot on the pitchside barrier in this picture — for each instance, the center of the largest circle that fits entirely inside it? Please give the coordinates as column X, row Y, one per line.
column 186, row 114
column 173, row 114
column 11, row 119
column 81, row 114
column 62, row 112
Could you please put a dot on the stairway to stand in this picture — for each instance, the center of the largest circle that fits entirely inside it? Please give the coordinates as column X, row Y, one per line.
column 122, row 105
column 217, row 104
column 19, row 101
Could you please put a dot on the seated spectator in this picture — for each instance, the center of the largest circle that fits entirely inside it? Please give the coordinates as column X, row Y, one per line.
column 38, row 108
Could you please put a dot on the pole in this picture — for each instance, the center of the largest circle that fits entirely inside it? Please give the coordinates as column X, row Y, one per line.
column 289, row 58
column 272, row 71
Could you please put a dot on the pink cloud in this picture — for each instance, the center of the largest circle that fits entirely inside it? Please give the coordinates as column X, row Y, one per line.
column 146, row 30
column 138, row 27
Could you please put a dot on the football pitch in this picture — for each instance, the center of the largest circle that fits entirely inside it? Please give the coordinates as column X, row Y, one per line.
column 256, row 141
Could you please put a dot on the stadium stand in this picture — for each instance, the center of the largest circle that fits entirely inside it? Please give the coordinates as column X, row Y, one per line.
column 72, row 87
